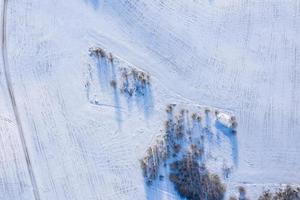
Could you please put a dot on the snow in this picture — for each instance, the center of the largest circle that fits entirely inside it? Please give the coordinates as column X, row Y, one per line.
column 226, row 119
column 238, row 56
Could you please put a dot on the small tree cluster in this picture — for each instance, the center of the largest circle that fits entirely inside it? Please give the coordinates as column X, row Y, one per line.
column 180, row 126
column 191, row 180
column 169, row 138
column 170, row 108
column 134, row 82
column 242, row 194
column 174, row 128
column 287, row 193
column 194, row 182
column 196, row 117
column 113, row 83
column 177, row 128
column 99, row 52
column 170, row 145
column 174, row 132
column 156, row 155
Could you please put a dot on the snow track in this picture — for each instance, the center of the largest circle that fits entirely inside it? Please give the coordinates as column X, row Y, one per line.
column 13, row 103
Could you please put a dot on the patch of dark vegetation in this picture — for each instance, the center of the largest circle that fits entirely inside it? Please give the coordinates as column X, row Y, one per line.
column 287, row 193
column 194, row 182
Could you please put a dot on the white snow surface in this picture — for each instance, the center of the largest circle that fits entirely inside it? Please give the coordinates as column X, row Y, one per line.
column 239, row 56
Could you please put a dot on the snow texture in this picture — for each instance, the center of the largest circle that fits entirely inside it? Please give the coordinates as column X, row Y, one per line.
column 85, row 138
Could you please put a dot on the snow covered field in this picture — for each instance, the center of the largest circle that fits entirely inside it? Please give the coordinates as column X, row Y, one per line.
column 70, row 135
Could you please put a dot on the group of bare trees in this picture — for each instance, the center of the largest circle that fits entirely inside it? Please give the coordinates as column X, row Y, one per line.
column 156, row 155
column 190, row 176
column 179, row 131
column 134, row 82
column 287, row 193
column 99, row 52
column 171, row 144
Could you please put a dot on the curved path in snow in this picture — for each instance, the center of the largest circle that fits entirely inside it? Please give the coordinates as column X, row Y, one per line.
column 13, row 102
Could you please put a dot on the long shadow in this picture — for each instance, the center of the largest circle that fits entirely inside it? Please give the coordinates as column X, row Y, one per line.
column 143, row 97
column 116, row 95
column 230, row 134
column 107, row 78
column 198, row 132
column 207, row 128
column 154, row 191
column 138, row 91
column 170, row 130
column 148, row 101
column 207, row 120
column 126, row 88
column 187, row 124
column 103, row 72
column 197, row 128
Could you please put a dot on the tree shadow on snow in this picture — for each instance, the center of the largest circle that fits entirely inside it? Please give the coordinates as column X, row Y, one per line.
column 108, row 83
column 116, row 96
column 138, row 91
column 161, row 188
column 103, row 73
column 231, row 135
column 144, row 100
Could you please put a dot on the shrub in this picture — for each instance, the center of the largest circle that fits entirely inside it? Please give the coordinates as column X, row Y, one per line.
column 266, row 195
column 242, row 190
column 111, row 57
column 169, row 108
column 94, row 51
column 287, row 193
column 113, row 84
column 98, row 52
column 199, row 119
column 194, row 116
column 206, row 110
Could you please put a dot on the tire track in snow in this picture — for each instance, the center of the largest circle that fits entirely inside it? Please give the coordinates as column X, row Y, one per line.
column 13, row 102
